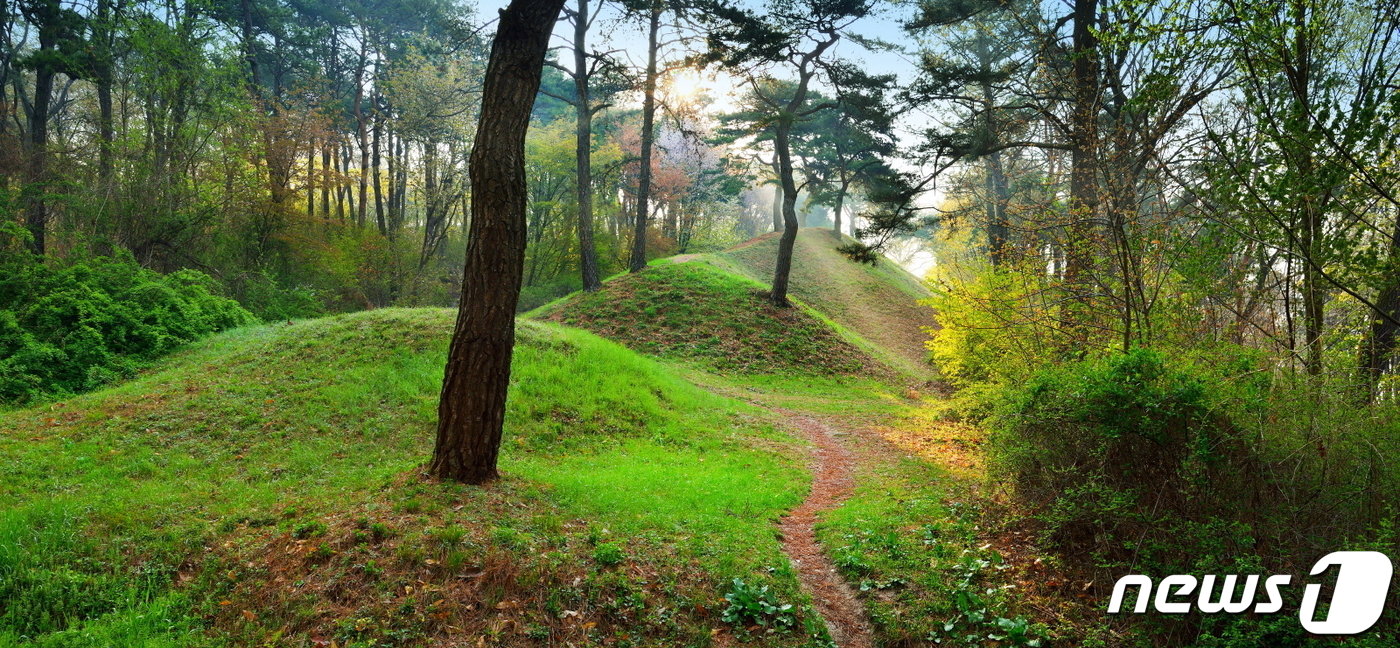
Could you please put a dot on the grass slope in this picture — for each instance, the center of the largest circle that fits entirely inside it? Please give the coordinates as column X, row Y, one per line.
column 695, row 311
column 263, row 488
column 879, row 303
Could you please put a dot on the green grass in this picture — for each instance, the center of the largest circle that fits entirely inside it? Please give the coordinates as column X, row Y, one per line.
column 698, row 312
column 275, row 470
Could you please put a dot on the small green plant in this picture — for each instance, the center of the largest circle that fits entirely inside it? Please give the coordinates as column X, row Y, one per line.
column 372, row 570
column 309, row 530
column 750, row 604
column 510, row 538
column 979, row 619
column 448, row 536
column 608, row 554
column 321, row 553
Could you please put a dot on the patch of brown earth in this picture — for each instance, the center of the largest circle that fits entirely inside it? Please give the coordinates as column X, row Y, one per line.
column 832, row 483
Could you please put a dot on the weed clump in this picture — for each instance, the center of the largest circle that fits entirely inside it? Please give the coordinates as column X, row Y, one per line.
column 751, row 604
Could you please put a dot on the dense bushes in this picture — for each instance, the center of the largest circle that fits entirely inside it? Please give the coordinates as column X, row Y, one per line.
column 1157, row 463
column 69, row 329
column 1115, row 450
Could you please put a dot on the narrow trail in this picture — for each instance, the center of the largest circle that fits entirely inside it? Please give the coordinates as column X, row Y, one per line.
column 832, row 482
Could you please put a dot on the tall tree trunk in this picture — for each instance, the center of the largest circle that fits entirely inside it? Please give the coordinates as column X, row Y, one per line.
column 337, row 158
column 374, row 164
column 788, row 189
column 1378, row 345
column 401, row 209
column 1084, row 190
column 434, row 212
column 102, row 77
column 639, row 239
column 345, row 179
column 36, row 214
column 47, row 16
column 472, row 409
column 587, row 255
column 1299, row 77
column 782, row 134
column 777, row 196
column 311, row 178
column 361, row 130
column 840, row 205
column 393, row 173
column 996, row 185
column 998, row 195
column 326, row 178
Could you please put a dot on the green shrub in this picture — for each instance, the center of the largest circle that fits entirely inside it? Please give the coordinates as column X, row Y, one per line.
column 70, row 329
column 272, row 300
column 1109, row 448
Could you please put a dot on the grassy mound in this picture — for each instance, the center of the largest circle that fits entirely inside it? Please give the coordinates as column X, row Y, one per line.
column 695, row 311
column 263, row 488
column 878, row 304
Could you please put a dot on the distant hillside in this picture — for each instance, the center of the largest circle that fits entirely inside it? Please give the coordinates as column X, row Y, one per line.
column 877, row 303
column 696, row 311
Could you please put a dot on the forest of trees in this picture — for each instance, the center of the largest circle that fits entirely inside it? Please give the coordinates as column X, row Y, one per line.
column 1163, row 237
column 312, row 156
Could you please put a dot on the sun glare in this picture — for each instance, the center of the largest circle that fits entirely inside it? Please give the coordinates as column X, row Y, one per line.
column 716, row 91
column 687, row 84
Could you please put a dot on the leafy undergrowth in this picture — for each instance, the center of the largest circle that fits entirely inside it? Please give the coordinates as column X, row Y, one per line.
column 697, row 312
column 879, row 304
column 70, row 329
column 264, row 488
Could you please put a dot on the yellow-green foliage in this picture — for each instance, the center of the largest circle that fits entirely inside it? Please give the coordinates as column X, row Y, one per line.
column 991, row 328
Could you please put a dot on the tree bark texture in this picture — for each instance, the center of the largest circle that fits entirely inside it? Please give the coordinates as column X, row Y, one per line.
column 472, row 408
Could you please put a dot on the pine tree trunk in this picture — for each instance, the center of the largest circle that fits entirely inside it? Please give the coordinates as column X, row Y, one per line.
column 996, row 185
column 472, row 409
column 1083, row 183
column 106, row 133
column 1379, row 344
column 362, row 131
column 311, row 179
column 588, row 256
column 639, row 238
column 840, row 206
column 788, row 189
column 325, row 181
column 36, row 214
column 378, row 189
column 782, row 133
column 777, row 197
